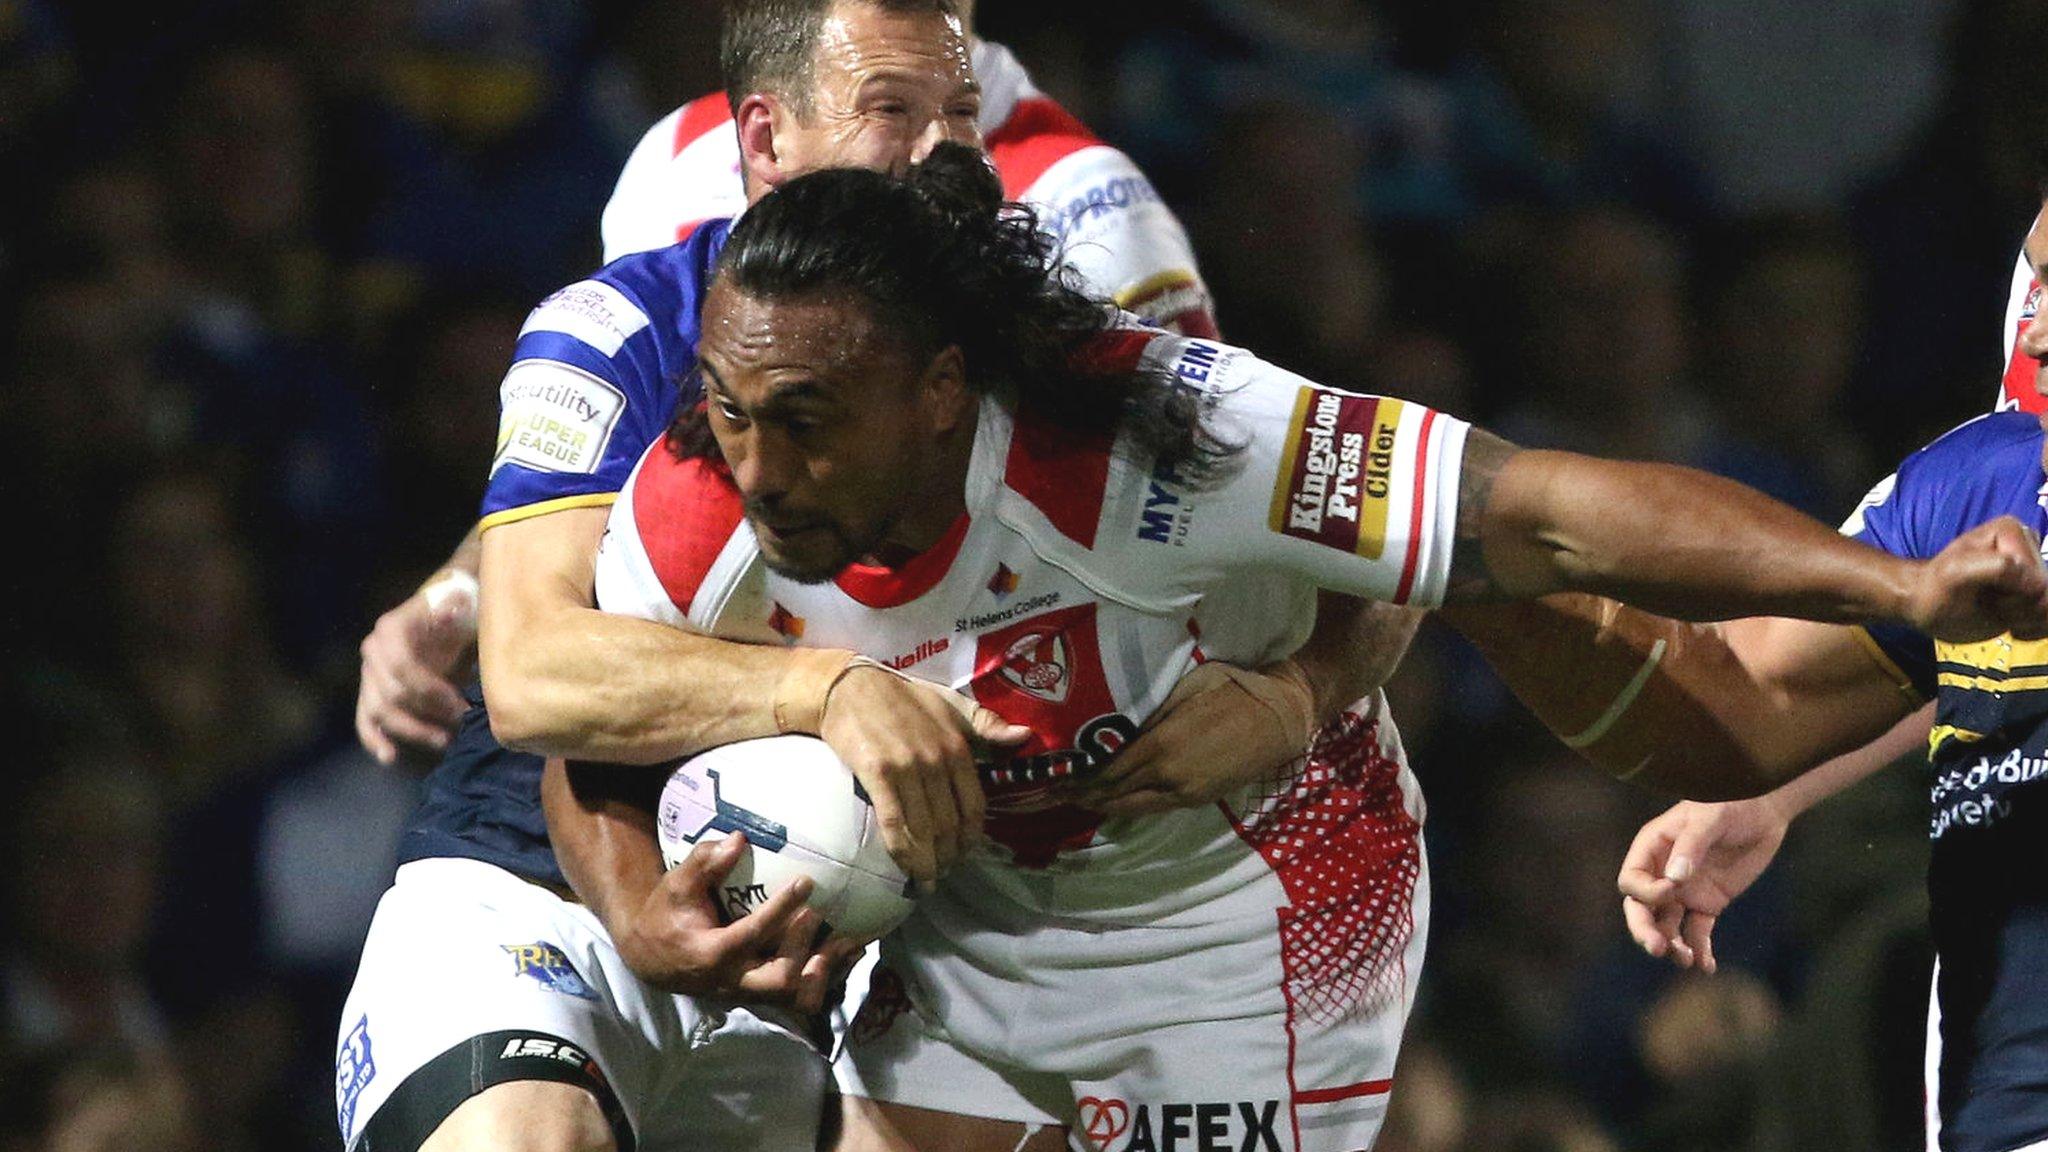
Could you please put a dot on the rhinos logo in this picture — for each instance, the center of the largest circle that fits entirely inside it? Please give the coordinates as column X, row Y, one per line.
column 546, row 964
column 1037, row 663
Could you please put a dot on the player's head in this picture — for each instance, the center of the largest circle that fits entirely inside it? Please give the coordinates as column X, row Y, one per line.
column 845, row 83
column 854, row 322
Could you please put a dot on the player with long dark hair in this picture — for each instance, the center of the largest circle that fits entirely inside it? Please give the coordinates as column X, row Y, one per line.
column 930, row 452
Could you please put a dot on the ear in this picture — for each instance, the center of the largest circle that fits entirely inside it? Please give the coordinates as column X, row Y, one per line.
column 947, row 399
column 760, row 121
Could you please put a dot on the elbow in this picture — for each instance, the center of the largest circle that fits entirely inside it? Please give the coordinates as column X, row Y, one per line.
column 519, row 722
column 523, row 714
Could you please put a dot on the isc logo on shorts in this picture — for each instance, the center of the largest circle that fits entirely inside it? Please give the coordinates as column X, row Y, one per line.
column 544, row 1048
column 1112, row 1125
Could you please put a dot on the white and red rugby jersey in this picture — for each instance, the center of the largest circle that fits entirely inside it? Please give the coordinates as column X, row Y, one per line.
column 1114, row 231
column 1078, row 587
column 2022, row 302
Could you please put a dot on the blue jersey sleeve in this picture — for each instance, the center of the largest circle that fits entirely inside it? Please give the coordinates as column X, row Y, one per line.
column 1987, row 468
column 596, row 377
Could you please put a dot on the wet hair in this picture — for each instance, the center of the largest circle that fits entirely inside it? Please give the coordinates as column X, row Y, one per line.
column 770, row 45
column 941, row 261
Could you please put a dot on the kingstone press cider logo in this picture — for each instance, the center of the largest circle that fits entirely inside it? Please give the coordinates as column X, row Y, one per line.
column 1336, row 477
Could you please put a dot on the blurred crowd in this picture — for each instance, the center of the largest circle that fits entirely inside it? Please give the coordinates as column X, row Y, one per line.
column 263, row 264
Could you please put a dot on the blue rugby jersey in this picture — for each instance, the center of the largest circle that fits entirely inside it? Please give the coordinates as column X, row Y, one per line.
column 597, row 375
column 1988, row 879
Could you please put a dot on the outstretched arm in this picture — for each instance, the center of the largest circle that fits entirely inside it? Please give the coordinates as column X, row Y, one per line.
column 1706, row 711
column 1687, row 544
column 1690, row 863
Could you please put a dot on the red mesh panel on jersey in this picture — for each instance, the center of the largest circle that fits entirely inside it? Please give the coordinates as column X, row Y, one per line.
column 1038, row 134
column 1339, row 837
column 685, row 511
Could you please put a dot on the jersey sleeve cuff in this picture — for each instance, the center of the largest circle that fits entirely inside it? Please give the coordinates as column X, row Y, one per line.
column 1892, row 671
column 544, row 507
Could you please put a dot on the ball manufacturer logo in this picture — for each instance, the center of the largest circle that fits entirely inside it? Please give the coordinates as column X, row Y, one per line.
column 1103, row 1121
column 1037, row 663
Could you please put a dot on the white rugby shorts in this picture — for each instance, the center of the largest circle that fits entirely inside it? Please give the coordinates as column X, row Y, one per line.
column 1225, row 977
column 472, row 976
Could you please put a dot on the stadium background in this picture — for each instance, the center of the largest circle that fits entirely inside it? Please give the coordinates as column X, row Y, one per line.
column 263, row 262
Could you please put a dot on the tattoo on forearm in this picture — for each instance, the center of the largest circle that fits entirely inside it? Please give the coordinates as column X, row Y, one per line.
column 1471, row 578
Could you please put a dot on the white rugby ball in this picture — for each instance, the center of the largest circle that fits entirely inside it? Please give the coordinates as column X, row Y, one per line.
column 803, row 815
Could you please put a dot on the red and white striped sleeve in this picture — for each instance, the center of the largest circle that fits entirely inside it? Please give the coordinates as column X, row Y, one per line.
column 1347, row 492
column 1115, row 232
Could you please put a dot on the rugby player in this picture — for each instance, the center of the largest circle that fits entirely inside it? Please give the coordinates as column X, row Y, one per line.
column 1766, row 699
column 478, row 937
column 1117, row 235
column 919, row 445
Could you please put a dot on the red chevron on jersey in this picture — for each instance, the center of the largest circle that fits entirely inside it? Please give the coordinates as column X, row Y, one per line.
column 1062, row 473
column 1038, row 134
column 698, row 508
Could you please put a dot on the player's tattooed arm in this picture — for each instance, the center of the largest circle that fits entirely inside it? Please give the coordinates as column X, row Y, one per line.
column 1683, row 543
column 1472, row 577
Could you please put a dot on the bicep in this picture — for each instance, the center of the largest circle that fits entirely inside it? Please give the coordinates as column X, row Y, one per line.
column 1803, row 658
column 1828, row 684
column 536, row 566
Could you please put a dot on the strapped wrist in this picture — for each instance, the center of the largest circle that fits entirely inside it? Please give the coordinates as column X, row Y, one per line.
column 806, row 685
column 1284, row 691
column 450, row 583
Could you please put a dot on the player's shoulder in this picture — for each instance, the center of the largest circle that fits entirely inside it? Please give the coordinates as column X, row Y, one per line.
column 1995, row 452
column 657, row 292
column 1075, row 494
column 685, row 170
column 1993, row 432
column 682, row 514
column 682, row 269
column 1984, row 468
column 1032, row 132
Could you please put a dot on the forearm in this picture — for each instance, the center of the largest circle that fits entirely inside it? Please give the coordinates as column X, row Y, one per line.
column 1354, row 649
column 591, row 685
column 603, row 837
column 1670, row 705
column 467, row 557
column 1907, row 738
column 1675, row 542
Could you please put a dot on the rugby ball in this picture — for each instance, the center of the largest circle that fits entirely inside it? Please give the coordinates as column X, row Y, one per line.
column 803, row 814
